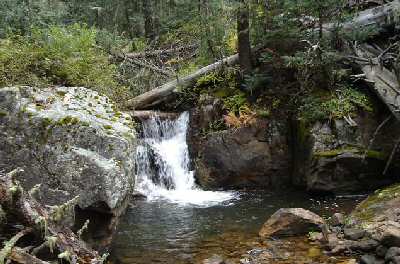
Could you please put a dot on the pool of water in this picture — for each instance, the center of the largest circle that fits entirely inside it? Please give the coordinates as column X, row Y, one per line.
column 161, row 231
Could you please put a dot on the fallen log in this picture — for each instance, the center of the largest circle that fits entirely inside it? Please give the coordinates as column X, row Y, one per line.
column 379, row 17
column 144, row 115
column 157, row 95
column 17, row 202
column 18, row 255
column 154, row 53
column 380, row 79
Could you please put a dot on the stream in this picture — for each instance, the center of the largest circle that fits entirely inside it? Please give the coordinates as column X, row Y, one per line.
column 178, row 222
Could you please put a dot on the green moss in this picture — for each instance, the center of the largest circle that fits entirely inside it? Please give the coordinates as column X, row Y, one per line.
column 3, row 113
column 128, row 136
column 46, row 122
column 61, row 93
column 118, row 114
column 68, row 120
column 369, row 208
column 336, row 152
column 107, row 127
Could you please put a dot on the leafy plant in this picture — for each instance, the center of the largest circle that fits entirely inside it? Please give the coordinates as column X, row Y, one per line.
column 344, row 102
column 236, row 104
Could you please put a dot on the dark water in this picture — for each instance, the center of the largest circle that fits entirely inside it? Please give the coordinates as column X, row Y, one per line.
column 162, row 232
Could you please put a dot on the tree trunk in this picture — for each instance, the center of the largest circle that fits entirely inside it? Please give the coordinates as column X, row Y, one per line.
column 148, row 20
column 244, row 48
column 382, row 81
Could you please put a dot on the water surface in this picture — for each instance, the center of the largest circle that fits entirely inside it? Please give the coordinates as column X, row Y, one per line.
column 160, row 231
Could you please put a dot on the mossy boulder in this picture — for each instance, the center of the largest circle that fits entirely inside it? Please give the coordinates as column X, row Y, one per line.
column 339, row 158
column 73, row 142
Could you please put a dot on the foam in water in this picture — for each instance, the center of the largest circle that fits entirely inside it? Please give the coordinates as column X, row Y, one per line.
column 163, row 165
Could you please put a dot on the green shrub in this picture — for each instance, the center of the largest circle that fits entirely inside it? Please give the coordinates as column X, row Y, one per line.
column 58, row 56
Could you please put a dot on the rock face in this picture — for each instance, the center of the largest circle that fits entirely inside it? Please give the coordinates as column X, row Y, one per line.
column 254, row 156
column 291, row 222
column 336, row 157
column 331, row 156
column 72, row 142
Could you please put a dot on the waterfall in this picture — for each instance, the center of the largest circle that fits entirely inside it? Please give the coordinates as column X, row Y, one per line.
column 163, row 171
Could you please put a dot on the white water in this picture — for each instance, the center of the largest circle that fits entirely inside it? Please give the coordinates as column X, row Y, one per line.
column 163, row 165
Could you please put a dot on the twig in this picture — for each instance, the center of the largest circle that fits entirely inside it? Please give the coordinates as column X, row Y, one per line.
column 371, row 142
column 391, row 156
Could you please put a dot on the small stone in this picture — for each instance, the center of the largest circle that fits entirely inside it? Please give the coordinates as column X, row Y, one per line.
column 370, row 259
column 364, row 245
column 395, row 260
column 391, row 253
column 353, row 233
column 215, row 259
column 337, row 219
column 381, row 251
column 333, row 241
column 391, row 237
column 315, row 236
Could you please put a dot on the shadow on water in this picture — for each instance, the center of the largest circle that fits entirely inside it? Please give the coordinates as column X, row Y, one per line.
column 163, row 232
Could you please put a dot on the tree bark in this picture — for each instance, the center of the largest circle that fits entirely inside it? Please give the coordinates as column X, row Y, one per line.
column 244, row 49
column 18, row 203
column 382, row 81
column 148, row 20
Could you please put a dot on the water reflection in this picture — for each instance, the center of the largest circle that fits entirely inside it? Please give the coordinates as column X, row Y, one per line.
column 163, row 232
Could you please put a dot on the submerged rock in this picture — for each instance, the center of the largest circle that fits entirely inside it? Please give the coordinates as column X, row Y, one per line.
column 73, row 143
column 291, row 222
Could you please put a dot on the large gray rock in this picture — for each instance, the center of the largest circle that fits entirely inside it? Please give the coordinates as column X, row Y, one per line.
column 338, row 160
column 73, row 143
column 253, row 156
column 291, row 222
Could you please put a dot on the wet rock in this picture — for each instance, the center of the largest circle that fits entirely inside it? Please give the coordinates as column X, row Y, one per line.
column 215, row 259
column 392, row 253
column 291, row 222
column 71, row 142
column 391, row 237
column 381, row 251
column 354, row 233
column 371, row 259
column 337, row 219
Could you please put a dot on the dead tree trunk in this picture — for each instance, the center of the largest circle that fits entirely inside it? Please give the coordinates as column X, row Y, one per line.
column 382, row 81
column 18, row 203
column 159, row 94
column 148, row 20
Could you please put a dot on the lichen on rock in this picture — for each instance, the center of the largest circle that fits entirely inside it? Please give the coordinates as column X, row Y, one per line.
column 73, row 142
